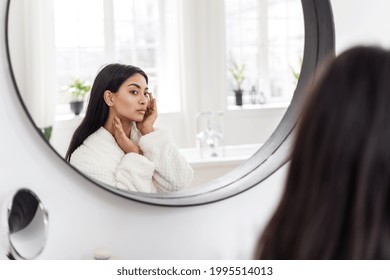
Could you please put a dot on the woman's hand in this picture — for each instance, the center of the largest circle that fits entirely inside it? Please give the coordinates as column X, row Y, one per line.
column 146, row 125
column 122, row 139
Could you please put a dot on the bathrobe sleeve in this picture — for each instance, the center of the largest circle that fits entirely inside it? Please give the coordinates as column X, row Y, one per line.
column 135, row 173
column 102, row 159
column 172, row 172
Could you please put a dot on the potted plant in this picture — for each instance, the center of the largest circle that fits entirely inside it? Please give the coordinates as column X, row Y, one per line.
column 296, row 73
column 78, row 89
column 238, row 77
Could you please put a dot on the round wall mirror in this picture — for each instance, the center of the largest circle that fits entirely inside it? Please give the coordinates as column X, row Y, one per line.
column 241, row 65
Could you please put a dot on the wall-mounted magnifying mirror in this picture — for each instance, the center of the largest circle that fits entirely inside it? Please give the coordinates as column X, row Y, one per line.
column 25, row 225
column 233, row 67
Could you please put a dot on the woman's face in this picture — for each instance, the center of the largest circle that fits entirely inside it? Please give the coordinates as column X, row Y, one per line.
column 132, row 98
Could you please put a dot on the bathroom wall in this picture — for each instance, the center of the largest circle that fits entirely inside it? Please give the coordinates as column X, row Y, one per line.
column 361, row 22
column 84, row 217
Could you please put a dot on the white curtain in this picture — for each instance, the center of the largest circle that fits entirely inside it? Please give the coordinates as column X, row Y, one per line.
column 32, row 48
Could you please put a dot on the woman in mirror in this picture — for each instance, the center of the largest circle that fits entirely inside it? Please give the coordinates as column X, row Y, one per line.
column 117, row 143
column 336, row 202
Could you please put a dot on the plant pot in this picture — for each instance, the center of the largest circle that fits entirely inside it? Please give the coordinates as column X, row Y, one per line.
column 238, row 94
column 76, row 107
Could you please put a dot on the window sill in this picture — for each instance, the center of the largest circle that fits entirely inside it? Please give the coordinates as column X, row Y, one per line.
column 276, row 105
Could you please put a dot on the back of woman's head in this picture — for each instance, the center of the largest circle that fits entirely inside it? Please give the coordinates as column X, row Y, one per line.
column 110, row 77
column 336, row 201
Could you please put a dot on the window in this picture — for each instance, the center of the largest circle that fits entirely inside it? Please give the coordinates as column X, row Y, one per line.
column 132, row 32
column 267, row 39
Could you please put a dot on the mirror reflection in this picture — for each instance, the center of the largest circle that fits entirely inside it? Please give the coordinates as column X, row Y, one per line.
column 117, row 142
column 216, row 68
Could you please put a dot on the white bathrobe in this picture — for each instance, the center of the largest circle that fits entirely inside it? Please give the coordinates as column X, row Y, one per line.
column 161, row 168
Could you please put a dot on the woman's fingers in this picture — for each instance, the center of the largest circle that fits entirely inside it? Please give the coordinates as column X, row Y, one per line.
column 151, row 97
column 123, row 141
column 118, row 129
column 153, row 106
column 152, row 103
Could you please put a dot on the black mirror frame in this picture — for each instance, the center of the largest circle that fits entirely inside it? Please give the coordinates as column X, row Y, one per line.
column 319, row 44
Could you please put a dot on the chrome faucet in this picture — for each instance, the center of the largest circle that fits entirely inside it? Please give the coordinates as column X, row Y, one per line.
column 210, row 137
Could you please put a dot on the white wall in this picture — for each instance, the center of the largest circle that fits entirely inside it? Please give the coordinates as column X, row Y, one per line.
column 84, row 217
column 361, row 22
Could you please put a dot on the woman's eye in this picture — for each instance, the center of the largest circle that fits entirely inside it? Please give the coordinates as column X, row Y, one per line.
column 134, row 92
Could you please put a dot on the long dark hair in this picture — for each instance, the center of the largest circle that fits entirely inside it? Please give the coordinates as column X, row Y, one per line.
column 336, row 202
column 111, row 77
